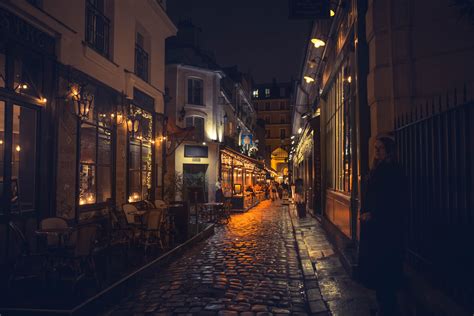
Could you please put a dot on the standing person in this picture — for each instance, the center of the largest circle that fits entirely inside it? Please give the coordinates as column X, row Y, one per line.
column 300, row 198
column 381, row 240
column 293, row 189
column 219, row 192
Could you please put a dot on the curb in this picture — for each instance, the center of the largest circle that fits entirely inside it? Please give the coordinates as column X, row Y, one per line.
column 102, row 300
column 317, row 305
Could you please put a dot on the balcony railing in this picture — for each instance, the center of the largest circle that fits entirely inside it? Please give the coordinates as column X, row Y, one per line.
column 141, row 63
column 97, row 30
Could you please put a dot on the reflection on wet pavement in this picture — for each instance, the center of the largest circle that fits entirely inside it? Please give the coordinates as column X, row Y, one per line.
column 250, row 265
column 343, row 295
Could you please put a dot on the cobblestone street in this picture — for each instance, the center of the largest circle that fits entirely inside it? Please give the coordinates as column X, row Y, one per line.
column 249, row 267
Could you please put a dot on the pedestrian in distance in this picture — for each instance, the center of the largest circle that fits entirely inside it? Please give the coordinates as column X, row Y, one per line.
column 382, row 218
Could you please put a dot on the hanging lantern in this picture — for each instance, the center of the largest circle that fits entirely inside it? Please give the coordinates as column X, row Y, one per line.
column 82, row 101
column 133, row 124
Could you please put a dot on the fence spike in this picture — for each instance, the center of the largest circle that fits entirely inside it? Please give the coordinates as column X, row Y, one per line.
column 447, row 100
column 411, row 115
column 455, row 97
column 439, row 103
column 416, row 113
column 433, row 105
column 426, row 108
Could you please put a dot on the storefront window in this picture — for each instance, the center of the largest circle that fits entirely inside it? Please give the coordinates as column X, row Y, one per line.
column 338, row 136
column 23, row 196
column 2, row 68
column 28, row 75
column 95, row 168
column 140, row 158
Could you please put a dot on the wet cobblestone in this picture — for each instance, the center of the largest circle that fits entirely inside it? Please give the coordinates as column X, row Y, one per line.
column 249, row 267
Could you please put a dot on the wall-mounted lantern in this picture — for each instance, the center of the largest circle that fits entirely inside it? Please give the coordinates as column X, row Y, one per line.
column 133, row 124
column 82, row 100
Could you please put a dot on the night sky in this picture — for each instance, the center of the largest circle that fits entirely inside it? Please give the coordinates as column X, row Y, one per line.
column 255, row 35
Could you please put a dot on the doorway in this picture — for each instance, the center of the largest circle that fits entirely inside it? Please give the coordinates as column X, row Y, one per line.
column 195, row 183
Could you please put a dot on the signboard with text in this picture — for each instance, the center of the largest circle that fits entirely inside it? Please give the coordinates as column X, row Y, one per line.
column 309, row 9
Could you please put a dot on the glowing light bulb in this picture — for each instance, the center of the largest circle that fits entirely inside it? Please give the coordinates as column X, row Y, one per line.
column 17, row 148
column 308, row 79
column 318, row 42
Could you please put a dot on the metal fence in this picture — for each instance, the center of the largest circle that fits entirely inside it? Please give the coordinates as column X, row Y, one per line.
column 435, row 147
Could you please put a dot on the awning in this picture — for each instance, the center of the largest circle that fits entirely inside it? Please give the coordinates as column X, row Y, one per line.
column 239, row 156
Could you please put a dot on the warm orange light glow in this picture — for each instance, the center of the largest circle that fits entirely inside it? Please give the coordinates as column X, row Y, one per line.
column 349, row 79
column 18, row 148
column 318, row 42
column 332, row 13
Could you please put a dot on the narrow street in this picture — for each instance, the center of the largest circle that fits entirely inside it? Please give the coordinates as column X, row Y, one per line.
column 249, row 267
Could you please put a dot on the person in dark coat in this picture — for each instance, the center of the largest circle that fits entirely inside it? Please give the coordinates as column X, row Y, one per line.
column 382, row 217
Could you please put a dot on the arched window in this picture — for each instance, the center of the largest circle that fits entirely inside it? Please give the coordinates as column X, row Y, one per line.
column 198, row 123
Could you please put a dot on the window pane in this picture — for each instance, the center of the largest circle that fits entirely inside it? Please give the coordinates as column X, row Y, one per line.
column 28, row 75
column 134, row 163
column 105, row 147
column 88, row 144
column 146, row 157
column 189, row 121
column 104, row 186
column 199, row 124
column 23, row 159
column 135, row 187
column 2, row 69
column 87, row 184
column 2, row 146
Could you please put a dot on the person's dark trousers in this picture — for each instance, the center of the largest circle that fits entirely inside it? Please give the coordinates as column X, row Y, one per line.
column 387, row 302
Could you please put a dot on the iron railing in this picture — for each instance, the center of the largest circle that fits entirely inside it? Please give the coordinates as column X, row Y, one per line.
column 436, row 147
column 141, row 62
column 97, row 30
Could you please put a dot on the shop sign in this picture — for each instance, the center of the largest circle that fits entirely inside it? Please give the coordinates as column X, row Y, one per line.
column 11, row 26
column 309, row 9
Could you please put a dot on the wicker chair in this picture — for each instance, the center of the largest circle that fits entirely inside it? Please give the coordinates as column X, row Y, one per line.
column 152, row 230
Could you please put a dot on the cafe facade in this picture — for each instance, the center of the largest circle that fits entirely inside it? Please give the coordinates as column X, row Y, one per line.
column 243, row 179
column 81, row 110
